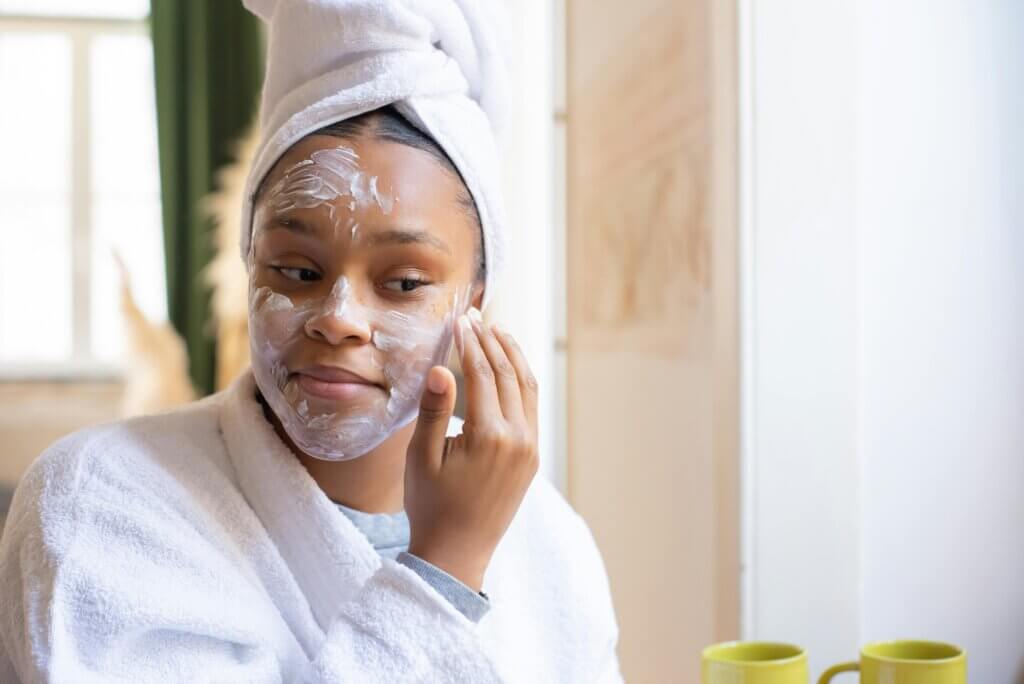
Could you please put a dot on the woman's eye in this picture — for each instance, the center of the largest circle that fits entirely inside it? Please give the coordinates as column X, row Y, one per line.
column 404, row 284
column 305, row 275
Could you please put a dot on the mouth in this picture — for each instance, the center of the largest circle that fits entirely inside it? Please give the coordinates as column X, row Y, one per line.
column 334, row 383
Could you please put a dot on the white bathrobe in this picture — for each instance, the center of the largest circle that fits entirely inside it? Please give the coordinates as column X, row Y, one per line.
column 194, row 547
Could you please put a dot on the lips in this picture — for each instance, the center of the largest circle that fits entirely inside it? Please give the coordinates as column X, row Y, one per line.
column 333, row 374
column 331, row 382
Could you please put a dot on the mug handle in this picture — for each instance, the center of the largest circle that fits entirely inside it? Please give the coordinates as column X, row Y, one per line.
column 831, row 672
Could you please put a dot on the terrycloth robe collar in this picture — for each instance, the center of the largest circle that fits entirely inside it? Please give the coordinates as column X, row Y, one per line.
column 328, row 556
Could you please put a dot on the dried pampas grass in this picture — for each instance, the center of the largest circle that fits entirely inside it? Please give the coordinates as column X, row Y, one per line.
column 156, row 362
column 156, row 359
column 226, row 273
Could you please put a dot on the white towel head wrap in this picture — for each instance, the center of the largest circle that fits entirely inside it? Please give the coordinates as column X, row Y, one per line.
column 439, row 62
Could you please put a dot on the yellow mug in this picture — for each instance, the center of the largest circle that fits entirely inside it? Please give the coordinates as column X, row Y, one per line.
column 906, row 662
column 753, row 662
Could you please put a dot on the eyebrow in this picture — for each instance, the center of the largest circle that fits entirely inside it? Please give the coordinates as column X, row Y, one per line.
column 405, row 236
column 292, row 224
column 394, row 236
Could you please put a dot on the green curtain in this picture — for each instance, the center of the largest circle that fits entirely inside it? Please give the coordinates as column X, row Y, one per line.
column 208, row 63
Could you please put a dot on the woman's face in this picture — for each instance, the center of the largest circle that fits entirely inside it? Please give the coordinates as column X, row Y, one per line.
column 362, row 259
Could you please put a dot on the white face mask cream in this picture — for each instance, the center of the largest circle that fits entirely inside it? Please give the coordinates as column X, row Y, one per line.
column 324, row 417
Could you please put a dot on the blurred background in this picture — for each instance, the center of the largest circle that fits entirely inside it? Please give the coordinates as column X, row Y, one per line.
column 767, row 260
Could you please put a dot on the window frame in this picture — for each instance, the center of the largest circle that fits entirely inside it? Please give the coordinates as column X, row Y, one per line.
column 80, row 32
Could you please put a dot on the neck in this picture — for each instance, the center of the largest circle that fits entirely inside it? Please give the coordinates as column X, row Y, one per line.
column 373, row 482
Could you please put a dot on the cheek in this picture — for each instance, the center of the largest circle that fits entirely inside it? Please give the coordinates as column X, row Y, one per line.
column 407, row 342
column 409, row 345
column 274, row 321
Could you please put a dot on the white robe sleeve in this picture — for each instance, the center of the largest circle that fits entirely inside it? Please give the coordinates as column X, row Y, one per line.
column 400, row 629
column 102, row 588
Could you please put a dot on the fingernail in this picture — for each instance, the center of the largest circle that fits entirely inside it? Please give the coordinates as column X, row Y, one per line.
column 436, row 383
column 474, row 313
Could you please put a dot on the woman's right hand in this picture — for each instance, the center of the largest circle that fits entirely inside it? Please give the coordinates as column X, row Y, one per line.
column 461, row 493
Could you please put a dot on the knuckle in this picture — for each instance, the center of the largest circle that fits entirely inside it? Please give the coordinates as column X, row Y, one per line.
column 432, row 414
column 482, row 368
column 519, row 444
column 520, row 436
column 530, row 454
column 509, row 444
column 531, row 384
column 488, row 435
column 504, row 369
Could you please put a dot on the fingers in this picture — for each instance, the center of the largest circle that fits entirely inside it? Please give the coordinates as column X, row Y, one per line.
column 436, row 406
column 482, row 403
column 505, row 378
column 528, row 389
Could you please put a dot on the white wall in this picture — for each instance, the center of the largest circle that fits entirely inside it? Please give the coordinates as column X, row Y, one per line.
column 883, row 328
column 527, row 296
column 941, row 202
column 799, row 327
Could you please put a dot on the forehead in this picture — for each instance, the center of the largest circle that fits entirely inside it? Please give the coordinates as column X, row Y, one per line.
column 418, row 186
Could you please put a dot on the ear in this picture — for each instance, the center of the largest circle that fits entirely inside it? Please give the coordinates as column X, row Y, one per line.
column 477, row 297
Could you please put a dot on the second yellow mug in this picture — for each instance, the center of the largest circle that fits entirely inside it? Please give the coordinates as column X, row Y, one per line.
column 906, row 662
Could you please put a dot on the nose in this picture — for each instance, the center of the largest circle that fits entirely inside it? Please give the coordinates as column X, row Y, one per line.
column 340, row 318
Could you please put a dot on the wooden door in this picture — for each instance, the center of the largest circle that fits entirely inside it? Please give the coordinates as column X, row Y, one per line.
column 653, row 416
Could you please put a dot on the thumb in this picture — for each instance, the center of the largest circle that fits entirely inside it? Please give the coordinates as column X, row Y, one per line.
column 436, row 406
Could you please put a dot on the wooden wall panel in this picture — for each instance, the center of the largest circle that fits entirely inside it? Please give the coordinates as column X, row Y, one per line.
column 652, row 365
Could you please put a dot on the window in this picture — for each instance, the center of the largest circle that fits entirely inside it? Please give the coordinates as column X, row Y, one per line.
column 79, row 180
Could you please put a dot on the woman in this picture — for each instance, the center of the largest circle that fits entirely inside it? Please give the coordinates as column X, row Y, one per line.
column 325, row 519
